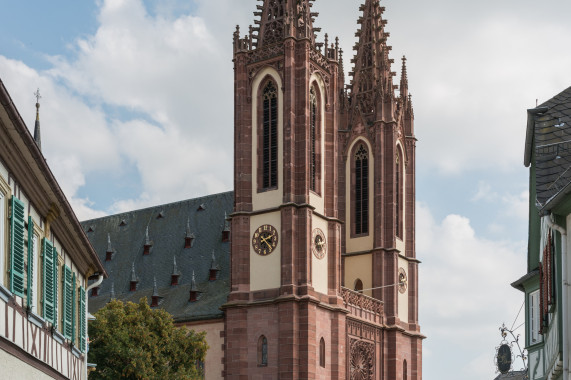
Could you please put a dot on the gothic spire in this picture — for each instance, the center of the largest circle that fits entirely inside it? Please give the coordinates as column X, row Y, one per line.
column 278, row 19
column 404, row 80
column 372, row 76
column 37, row 135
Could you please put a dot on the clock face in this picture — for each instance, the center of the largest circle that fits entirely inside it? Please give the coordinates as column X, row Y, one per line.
column 318, row 243
column 403, row 280
column 265, row 240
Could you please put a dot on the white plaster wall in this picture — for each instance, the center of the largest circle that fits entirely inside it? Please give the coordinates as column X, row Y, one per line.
column 359, row 267
column 319, row 267
column 265, row 271
column 14, row 369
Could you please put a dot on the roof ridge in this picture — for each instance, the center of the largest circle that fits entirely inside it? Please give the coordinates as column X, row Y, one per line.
column 158, row 206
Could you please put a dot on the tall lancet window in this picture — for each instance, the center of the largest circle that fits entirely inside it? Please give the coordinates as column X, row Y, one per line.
column 270, row 136
column 313, row 138
column 399, row 195
column 361, row 191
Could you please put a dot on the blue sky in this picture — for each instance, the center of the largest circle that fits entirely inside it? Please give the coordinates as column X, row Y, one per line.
column 137, row 111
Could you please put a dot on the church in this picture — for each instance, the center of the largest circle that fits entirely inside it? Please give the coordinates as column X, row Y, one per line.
column 308, row 269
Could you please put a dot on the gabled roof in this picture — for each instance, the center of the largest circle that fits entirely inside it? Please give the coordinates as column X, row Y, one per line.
column 21, row 154
column 549, row 137
column 167, row 229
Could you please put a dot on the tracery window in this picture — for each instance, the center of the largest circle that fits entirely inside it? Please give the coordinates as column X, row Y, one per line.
column 270, row 136
column 399, row 195
column 262, row 351
column 313, row 138
column 322, row 353
column 361, row 189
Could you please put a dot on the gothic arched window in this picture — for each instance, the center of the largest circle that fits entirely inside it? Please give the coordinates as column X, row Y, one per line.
column 270, row 137
column 314, row 122
column 361, row 189
column 322, row 353
column 404, row 371
column 399, row 194
column 262, row 351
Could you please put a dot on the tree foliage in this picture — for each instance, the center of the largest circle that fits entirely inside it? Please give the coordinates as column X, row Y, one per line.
column 133, row 341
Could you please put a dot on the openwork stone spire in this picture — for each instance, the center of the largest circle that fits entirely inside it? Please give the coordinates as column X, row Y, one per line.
column 372, row 77
column 279, row 19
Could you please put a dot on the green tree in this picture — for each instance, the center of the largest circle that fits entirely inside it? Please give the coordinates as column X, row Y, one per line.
column 133, row 341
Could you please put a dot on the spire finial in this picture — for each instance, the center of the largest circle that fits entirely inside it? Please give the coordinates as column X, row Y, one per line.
column 37, row 135
column 404, row 79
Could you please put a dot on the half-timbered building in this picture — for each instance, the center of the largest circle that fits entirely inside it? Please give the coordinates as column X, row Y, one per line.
column 45, row 262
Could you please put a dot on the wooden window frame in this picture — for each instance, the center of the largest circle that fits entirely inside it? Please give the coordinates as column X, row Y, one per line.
column 534, row 318
column 18, row 284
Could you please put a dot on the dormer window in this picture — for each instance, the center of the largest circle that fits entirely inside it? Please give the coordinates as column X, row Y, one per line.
column 110, row 250
column 134, row 280
column 175, row 274
column 193, row 293
column 214, row 269
column 189, row 241
column 155, row 298
column 148, row 243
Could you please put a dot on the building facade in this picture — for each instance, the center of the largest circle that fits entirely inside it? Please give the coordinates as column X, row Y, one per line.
column 45, row 262
column 548, row 155
column 316, row 275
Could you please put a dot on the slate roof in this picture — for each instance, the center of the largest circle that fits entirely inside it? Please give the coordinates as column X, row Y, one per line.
column 516, row 375
column 550, row 124
column 167, row 228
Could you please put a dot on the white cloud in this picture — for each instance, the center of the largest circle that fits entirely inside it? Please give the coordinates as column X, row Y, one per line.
column 464, row 289
column 484, row 192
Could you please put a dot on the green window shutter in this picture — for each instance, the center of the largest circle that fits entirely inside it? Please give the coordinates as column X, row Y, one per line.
column 31, row 260
column 17, row 228
column 55, row 278
column 48, row 301
column 73, row 312
column 82, row 320
column 66, row 317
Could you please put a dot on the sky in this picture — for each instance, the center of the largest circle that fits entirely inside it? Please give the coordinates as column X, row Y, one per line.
column 137, row 110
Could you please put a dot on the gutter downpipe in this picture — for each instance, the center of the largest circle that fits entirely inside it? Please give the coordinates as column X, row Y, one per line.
column 96, row 283
column 564, row 315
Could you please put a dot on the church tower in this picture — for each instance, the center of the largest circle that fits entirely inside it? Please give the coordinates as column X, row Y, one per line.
column 377, row 192
column 284, row 317
column 324, row 274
